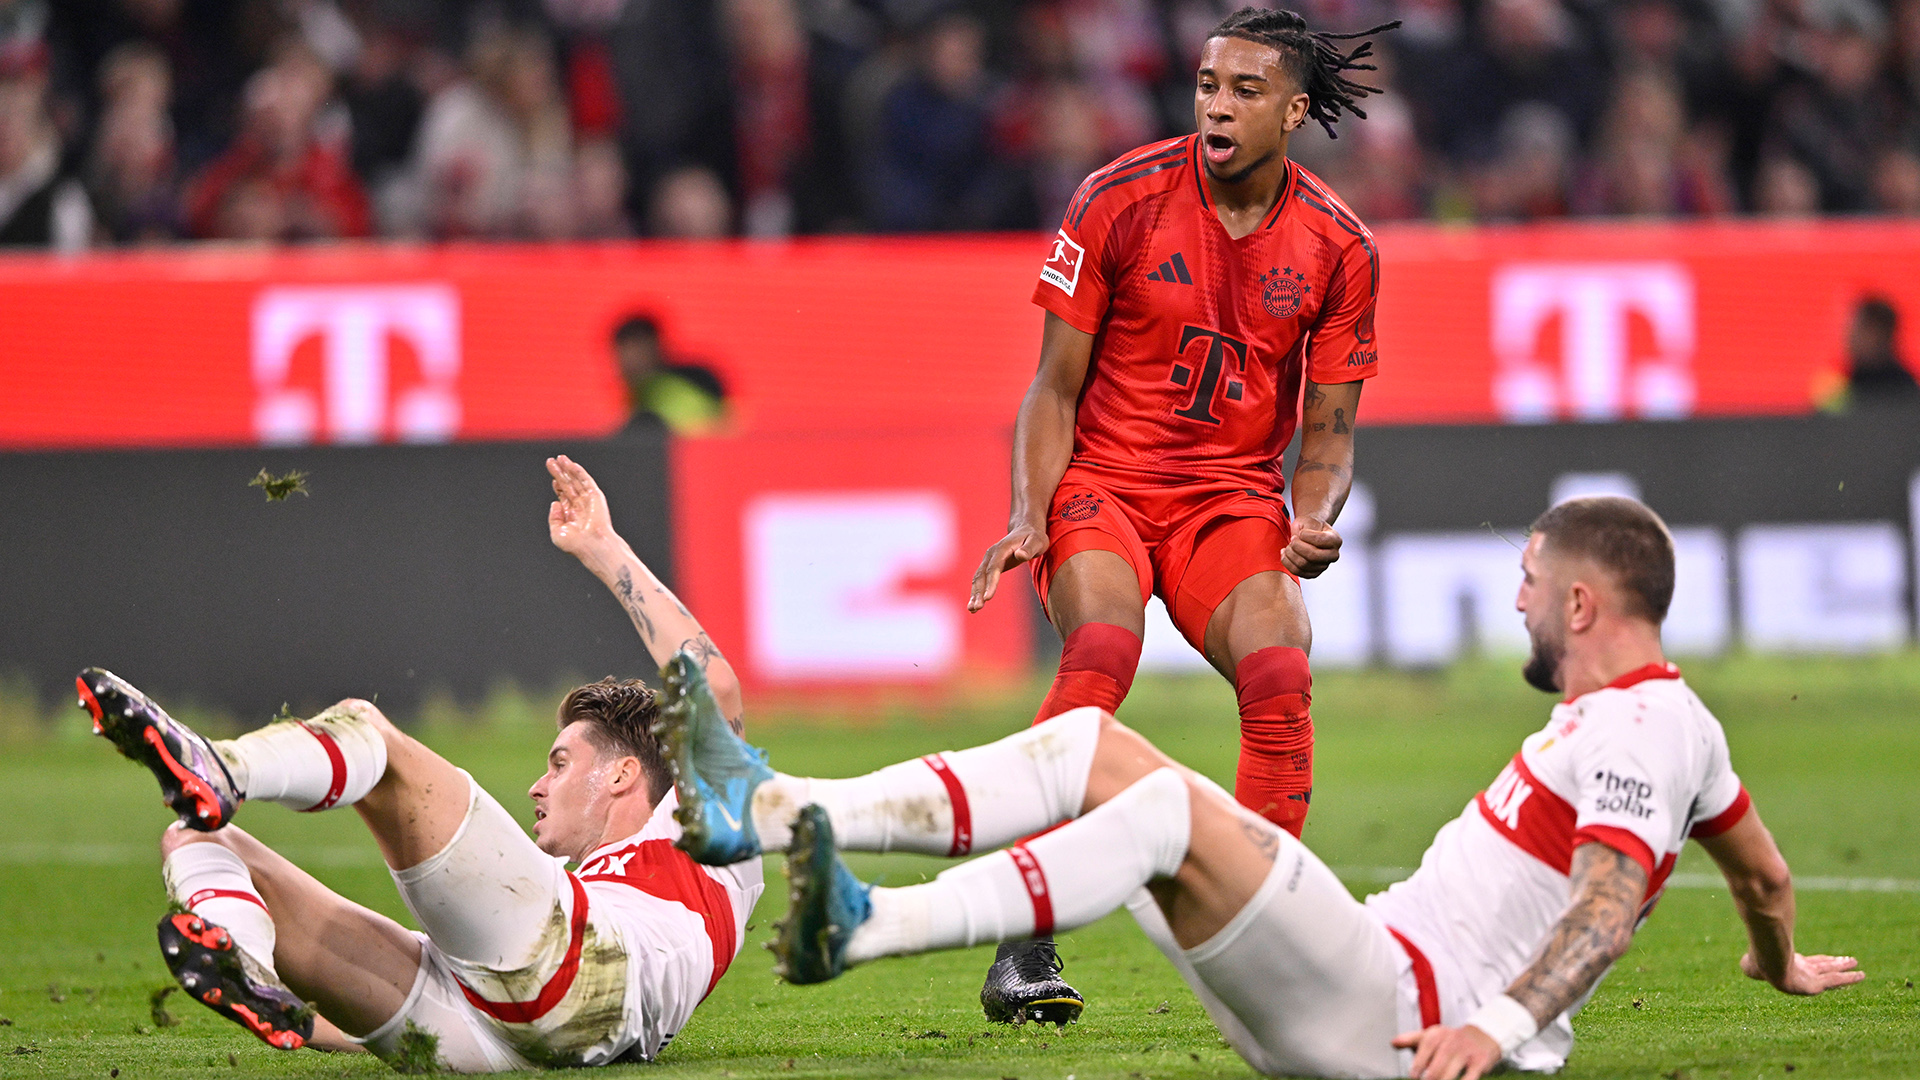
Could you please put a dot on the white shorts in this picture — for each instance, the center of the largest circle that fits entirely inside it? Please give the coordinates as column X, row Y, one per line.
column 1305, row 981
column 509, row 976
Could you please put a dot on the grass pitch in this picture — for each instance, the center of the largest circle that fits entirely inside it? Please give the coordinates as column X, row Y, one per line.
column 1830, row 750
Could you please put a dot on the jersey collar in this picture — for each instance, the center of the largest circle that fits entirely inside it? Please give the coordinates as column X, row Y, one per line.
column 1637, row 676
column 1206, row 201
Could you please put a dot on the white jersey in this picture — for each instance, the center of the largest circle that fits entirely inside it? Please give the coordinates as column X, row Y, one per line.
column 1639, row 765
column 680, row 924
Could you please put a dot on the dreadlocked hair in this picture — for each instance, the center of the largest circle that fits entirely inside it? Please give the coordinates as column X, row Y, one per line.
column 1312, row 59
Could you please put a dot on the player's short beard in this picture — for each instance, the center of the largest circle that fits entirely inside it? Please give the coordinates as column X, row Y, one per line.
column 1542, row 670
column 1243, row 173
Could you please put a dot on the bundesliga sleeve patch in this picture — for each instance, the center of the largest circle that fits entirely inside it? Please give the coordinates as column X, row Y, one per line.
column 1062, row 269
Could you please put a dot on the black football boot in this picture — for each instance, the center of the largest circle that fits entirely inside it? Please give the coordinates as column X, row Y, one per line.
column 194, row 782
column 207, row 964
column 1024, row 984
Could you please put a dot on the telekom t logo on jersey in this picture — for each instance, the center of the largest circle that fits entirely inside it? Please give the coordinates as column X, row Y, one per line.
column 1220, row 349
column 1624, row 345
column 362, row 391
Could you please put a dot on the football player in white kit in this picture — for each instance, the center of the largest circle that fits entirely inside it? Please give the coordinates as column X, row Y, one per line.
column 1518, row 908
column 522, row 962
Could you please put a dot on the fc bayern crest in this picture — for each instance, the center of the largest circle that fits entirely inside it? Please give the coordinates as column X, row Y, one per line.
column 1281, row 292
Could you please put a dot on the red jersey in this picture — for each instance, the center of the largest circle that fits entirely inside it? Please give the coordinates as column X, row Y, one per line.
column 1201, row 340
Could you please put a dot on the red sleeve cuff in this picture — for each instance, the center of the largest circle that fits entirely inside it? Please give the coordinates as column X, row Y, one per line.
column 1051, row 298
column 1619, row 840
column 1725, row 819
column 1343, row 374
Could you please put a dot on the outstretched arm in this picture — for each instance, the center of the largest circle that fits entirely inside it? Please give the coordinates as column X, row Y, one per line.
column 1324, row 475
column 1042, row 445
column 1596, row 930
column 1762, row 890
column 579, row 525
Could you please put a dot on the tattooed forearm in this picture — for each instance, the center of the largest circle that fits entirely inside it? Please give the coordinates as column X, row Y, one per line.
column 678, row 606
column 702, row 649
column 623, row 588
column 1338, row 470
column 1595, row 931
column 1266, row 839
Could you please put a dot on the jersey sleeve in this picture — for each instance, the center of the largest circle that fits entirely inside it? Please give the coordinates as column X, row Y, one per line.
column 1628, row 793
column 1723, row 800
column 1342, row 348
column 1075, row 280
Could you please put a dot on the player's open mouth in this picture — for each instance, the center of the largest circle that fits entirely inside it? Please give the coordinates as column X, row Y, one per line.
column 1219, row 148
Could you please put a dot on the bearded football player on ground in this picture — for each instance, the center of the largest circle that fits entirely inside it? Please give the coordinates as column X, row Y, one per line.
column 1193, row 287
column 522, row 962
column 1518, row 909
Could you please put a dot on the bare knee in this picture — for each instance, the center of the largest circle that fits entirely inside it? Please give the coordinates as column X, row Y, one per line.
column 367, row 714
column 176, row 836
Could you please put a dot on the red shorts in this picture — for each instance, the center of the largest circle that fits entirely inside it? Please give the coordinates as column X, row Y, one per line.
column 1190, row 543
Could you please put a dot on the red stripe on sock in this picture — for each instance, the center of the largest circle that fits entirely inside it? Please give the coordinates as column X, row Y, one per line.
column 957, row 797
column 195, row 900
column 526, row 1012
column 1035, row 880
column 339, row 763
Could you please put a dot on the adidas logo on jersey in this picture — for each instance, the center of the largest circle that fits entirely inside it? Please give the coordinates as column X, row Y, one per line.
column 1173, row 270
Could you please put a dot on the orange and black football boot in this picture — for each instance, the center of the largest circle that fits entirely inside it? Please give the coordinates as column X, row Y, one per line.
column 203, row 957
column 194, row 782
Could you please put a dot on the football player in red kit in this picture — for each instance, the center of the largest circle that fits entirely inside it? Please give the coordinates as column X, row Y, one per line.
column 1194, row 288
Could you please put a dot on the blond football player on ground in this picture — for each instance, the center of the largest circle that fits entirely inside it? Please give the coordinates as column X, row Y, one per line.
column 1482, row 957
column 522, row 962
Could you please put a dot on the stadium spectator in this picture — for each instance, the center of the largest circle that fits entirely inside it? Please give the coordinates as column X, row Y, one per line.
column 935, row 167
column 289, row 175
column 1876, row 373
column 770, row 109
column 132, row 171
column 919, row 115
column 687, row 397
column 669, row 60
column 1896, row 183
column 1530, row 55
column 1785, row 188
column 1530, row 178
column 600, row 192
column 1835, row 121
column 385, row 90
column 41, row 203
column 690, row 204
column 493, row 147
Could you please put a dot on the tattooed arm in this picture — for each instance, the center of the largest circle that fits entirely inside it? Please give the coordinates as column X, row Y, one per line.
column 1323, row 476
column 1595, row 931
column 579, row 525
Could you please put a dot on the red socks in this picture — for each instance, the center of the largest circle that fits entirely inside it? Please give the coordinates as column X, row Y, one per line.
column 1096, row 668
column 1275, row 778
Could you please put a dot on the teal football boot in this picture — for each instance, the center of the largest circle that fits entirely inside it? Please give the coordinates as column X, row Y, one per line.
column 715, row 772
column 825, row 904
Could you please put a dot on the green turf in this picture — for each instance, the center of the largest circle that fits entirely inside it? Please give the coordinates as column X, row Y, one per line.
column 1830, row 750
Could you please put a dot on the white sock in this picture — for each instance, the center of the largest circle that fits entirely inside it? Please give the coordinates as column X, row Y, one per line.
column 211, row 881
column 1053, row 883
column 331, row 760
column 947, row 804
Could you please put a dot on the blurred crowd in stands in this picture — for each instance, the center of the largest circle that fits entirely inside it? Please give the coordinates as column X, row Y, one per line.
column 140, row 121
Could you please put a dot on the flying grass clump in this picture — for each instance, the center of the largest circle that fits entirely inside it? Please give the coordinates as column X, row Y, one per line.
column 278, row 488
